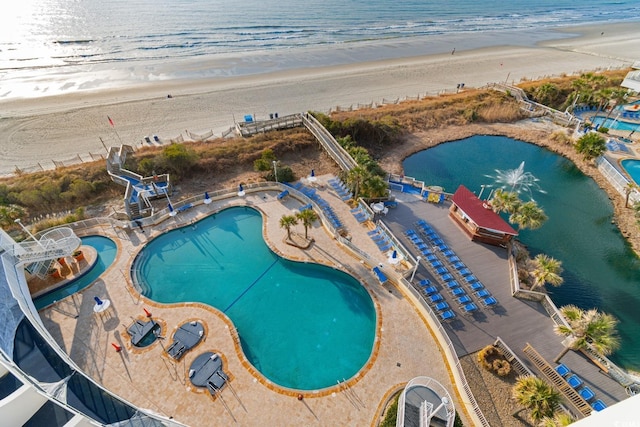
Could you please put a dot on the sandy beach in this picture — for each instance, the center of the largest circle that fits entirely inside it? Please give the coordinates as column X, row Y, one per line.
column 62, row 127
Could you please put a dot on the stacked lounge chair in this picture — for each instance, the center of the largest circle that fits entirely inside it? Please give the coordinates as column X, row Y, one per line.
column 339, row 187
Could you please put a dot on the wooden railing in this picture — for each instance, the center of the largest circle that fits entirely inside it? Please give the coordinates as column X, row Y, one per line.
column 572, row 396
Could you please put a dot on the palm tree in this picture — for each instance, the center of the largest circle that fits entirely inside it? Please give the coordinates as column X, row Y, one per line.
column 546, row 270
column 588, row 328
column 355, row 179
column 536, row 395
column 618, row 95
column 561, row 419
column 307, row 216
column 288, row 221
column 505, row 201
column 591, row 145
column 375, row 186
column 528, row 215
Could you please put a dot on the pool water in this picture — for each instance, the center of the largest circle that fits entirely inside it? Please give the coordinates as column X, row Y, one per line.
column 600, row 268
column 632, row 167
column 302, row 325
column 106, row 251
column 614, row 124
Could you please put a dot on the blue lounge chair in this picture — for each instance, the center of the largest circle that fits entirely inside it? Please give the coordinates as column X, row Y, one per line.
column 469, row 308
column 562, row 370
column 380, row 275
column 483, row 293
column 424, row 282
column 430, row 290
column 453, row 258
column 464, row 272
column 435, row 263
column 598, row 405
column 431, row 257
column 476, row 286
column 373, row 232
column 448, row 252
column 471, row 278
column 464, row 300
column 435, row 298
column 441, row 306
column 487, row 302
column 447, row 315
column 458, row 265
column 457, row 292
column 282, row 195
column 441, row 270
column 386, row 247
column 452, row 284
column 446, row 277
column 586, row 393
column 574, row 381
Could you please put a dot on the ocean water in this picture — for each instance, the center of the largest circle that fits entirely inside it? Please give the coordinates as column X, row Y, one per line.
column 92, row 44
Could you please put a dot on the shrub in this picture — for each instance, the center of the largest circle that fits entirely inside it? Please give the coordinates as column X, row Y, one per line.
column 486, row 356
column 492, row 359
column 177, row 158
column 265, row 162
column 603, row 129
column 285, row 174
column 501, row 367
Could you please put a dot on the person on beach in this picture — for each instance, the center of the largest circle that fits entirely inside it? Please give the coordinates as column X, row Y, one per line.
column 453, row 51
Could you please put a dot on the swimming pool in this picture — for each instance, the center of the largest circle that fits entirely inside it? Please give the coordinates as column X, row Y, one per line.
column 632, row 167
column 614, row 124
column 302, row 325
column 106, row 250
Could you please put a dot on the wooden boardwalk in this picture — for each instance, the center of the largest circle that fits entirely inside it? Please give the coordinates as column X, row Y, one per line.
column 517, row 322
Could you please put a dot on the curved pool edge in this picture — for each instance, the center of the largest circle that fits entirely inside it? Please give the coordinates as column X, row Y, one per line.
column 244, row 361
column 635, row 160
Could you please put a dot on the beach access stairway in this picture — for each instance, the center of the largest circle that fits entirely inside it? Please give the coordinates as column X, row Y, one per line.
column 139, row 190
column 533, row 108
column 326, row 140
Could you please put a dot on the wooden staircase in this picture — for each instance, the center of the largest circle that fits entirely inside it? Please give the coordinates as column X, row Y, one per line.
column 571, row 395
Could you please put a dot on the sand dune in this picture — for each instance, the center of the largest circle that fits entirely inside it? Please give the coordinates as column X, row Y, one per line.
column 66, row 126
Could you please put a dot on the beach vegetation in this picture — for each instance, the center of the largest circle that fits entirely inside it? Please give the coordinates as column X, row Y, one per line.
column 591, row 145
column 561, row 137
column 177, row 159
column 265, row 162
column 588, row 329
column 603, row 129
column 596, row 90
column 537, row 396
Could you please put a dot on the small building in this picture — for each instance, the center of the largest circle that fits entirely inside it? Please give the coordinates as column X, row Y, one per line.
column 478, row 220
column 632, row 79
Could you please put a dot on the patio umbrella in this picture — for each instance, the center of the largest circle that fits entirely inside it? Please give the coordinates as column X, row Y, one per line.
column 241, row 191
column 207, row 199
column 312, row 177
column 171, row 211
column 394, row 258
column 98, row 301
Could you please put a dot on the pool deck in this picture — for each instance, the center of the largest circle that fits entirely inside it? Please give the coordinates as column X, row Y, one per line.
column 405, row 347
column 516, row 321
column 147, row 377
